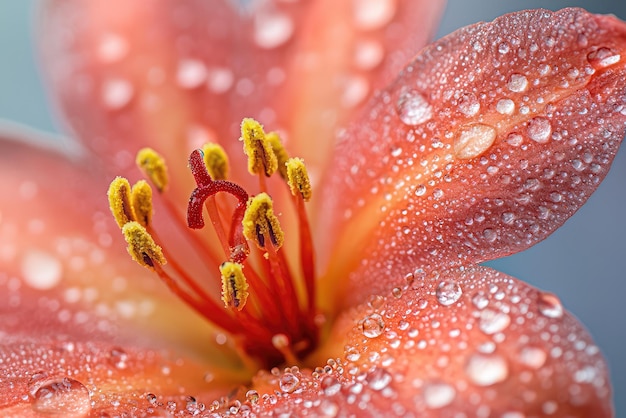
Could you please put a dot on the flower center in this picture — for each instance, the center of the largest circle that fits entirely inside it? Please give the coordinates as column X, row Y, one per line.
column 268, row 303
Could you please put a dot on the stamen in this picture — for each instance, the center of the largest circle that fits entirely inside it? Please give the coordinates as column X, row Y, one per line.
column 260, row 222
column 216, row 161
column 119, row 195
column 298, row 178
column 281, row 343
column 141, row 246
column 280, row 152
column 234, row 285
column 261, row 157
column 153, row 166
column 141, row 199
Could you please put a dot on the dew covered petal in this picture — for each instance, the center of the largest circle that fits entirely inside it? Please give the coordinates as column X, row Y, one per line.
column 505, row 145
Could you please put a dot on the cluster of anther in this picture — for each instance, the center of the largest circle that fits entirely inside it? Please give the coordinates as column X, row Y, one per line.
column 269, row 304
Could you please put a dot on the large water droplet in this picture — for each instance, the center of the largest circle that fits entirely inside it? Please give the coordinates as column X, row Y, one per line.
column 492, row 321
column 486, row 369
column 549, row 305
column 539, row 130
column 117, row 93
column 191, row 73
column 379, row 379
column 62, row 397
column 533, row 357
column 448, row 292
column 473, row 140
column 373, row 326
column 517, row 83
column 373, row 14
column 413, row 108
column 272, row 30
column 505, row 106
column 438, row 394
column 288, row 382
column 603, row 57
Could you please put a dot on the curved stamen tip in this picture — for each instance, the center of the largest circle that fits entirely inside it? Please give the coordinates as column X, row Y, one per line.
column 141, row 200
column 298, row 178
column 119, row 195
column 261, row 157
column 260, row 222
column 216, row 161
column 141, row 246
column 153, row 166
column 234, row 285
column 281, row 153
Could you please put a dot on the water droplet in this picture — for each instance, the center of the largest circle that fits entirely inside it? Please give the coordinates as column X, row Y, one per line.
column 513, row 414
column 490, row 235
column 62, row 397
column 473, row 140
column 330, row 385
column 288, row 382
column 220, row 80
column 191, row 73
column 412, row 108
column 508, row 218
column 505, row 106
column 492, row 321
column 480, row 300
column 379, row 379
column 118, row 358
column 556, row 197
column 117, row 93
column 539, row 130
column 272, row 30
column 438, row 394
column 533, row 357
column 41, row 270
column 112, row 48
column 603, row 57
column 486, row 369
column 368, row 54
column 373, row 14
column 514, row 139
column 549, row 305
column 517, row 83
column 420, row 190
column 252, row 396
column 469, row 105
column 373, row 326
column 448, row 292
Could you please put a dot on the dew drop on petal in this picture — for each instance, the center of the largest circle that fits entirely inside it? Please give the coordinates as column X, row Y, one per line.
column 480, row 300
column 413, row 108
column 438, row 394
column 118, row 358
column 550, row 305
column 448, row 292
column 533, row 357
column 191, row 73
column 378, row 379
column 41, row 270
column 288, row 382
column 117, row 93
column 330, row 385
column 517, row 83
column 505, row 106
column 486, row 369
column 492, row 321
column 373, row 14
column 420, row 190
column 272, row 30
column 373, row 326
column 539, row 130
column 514, row 139
column 469, row 105
column 473, row 140
column 603, row 57
column 62, row 397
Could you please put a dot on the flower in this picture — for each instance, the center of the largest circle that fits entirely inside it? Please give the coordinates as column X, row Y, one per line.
column 482, row 146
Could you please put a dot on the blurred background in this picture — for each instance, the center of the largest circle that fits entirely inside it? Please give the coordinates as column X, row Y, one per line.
column 580, row 262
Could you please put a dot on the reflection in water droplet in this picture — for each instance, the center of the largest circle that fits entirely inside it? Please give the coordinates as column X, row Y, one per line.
column 603, row 57
column 486, row 369
column 272, row 30
column 539, row 130
column 533, row 357
column 373, row 14
column 448, row 292
column 413, row 108
column 438, row 394
column 379, row 379
column 492, row 321
column 473, row 140
column 62, row 397
column 288, row 382
column 549, row 305
column 373, row 326
column 517, row 83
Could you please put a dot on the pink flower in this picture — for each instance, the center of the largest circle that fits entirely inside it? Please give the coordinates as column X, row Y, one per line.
column 375, row 303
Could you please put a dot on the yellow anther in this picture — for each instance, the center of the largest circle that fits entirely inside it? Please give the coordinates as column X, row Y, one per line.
column 153, row 166
column 141, row 246
column 260, row 221
column 261, row 158
column 280, row 152
column 298, row 178
column 120, row 201
column 234, row 285
column 216, row 161
column 141, row 199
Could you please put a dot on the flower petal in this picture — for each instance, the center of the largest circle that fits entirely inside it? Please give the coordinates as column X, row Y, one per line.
column 485, row 144
column 476, row 342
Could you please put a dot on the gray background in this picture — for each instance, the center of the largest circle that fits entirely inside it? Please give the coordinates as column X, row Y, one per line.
column 579, row 262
